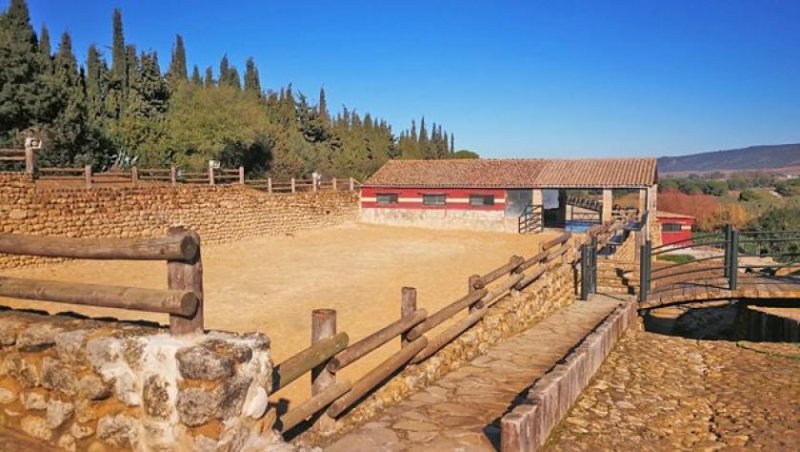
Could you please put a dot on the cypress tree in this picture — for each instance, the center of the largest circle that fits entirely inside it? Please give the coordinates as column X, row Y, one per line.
column 118, row 54
column 322, row 106
column 196, row 80
column 251, row 81
column 233, row 78
column 452, row 143
column 208, row 80
column 224, row 70
column 177, row 66
column 97, row 76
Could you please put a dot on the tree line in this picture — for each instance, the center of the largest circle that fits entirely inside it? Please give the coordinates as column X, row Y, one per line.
column 129, row 112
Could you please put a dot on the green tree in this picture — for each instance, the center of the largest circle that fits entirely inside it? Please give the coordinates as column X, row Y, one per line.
column 252, row 84
column 44, row 42
column 177, row 66
column 464, row 154
column 119, row 71
column 208, row 79
column 196, row 79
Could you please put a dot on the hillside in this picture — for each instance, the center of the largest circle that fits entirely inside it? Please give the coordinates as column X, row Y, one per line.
column 780, row 157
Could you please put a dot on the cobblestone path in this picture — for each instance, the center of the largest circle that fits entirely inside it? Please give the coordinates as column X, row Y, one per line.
column 658, row 392
column 462, row 410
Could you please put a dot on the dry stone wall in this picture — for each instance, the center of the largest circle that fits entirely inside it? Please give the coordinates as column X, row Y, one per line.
column 82, row 384
column 217, row 213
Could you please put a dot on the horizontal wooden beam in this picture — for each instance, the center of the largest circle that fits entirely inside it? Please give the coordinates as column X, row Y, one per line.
column 177, row 302
column 556, row 241
column 179, row 248
column 375, row 340
column 296, row 366
column 313, row 405
column 376, row 376
column 448, row 335
column 501, row 271
column 445, row 313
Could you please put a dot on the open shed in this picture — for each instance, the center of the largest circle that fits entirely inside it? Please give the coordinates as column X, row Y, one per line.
column 514, row 195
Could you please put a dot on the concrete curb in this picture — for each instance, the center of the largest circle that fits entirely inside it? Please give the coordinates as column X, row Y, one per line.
column 527, row 426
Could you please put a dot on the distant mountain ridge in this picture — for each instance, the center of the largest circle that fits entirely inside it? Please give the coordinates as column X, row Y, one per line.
column 779, row 157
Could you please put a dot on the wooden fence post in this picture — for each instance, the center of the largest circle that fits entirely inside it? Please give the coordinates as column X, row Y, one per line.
column 293, row 187
column 186, row 275
column 87, row 175
column 474, row 281
column 241, row 175
column 323, row 326
column 30, row 161
column 352, row 184
column 334, row 184
column 210, row 175
column 407, row 307
column 269, row 185
column 173, row 175
column 134, row 175
column 314, row 184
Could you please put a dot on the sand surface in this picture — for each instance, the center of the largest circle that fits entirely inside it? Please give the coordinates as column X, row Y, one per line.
column 271, row 284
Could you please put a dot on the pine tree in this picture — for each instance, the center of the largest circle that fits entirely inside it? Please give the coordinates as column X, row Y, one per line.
column 252, row 84
column 196, row 80
column 177, row 66
column 44, row 42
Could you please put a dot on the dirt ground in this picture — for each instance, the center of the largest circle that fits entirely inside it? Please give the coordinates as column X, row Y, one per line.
column 271, row 284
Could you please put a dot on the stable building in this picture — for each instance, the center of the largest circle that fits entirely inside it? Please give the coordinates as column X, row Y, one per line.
column 675, row 228
column 514, row 195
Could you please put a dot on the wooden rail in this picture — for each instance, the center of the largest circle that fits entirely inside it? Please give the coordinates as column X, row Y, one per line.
column 183, row 300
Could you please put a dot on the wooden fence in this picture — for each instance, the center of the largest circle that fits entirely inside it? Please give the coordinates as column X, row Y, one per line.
column 303, row 185
column 330, row 352
column 180, row 248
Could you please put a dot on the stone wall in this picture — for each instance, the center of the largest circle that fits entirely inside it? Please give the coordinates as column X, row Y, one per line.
column 758, row 323
column 472, row 220
column 510, row 316
column 217, row 213
column 82, row 384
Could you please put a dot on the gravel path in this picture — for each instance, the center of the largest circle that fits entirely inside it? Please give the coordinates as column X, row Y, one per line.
column 658, row 392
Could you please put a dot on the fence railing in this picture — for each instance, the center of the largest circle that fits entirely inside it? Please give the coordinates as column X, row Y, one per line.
column 330, row 352
column 180, row 248
column 723, row 253
column 531, row 219
column 293, row 185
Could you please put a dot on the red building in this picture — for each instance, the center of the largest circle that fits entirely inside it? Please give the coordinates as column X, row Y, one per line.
column 675, row 227
column 494, row 194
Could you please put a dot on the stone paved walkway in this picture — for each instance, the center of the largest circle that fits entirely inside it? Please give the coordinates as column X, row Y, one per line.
column 463, row 409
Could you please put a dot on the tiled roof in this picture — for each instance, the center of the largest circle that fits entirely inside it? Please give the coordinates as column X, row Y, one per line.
column 516, row 173
column 662, row 214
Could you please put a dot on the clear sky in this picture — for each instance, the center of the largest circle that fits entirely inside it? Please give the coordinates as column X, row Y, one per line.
column 511, row 79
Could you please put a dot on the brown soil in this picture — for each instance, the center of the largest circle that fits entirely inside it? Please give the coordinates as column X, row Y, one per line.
column 271, row 284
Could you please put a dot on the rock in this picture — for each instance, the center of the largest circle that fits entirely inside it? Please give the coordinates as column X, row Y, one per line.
column 196, row 406
column 230, row 395
column 7, row 396
column 200, row 363
column 101, row 351
column 132, row 351
column 38, row 337
column 93, row 387
column 118, row 430
column 25, row 372
column 70, row 345
column 256, row 402
column 36, row 427
column 204, row 444
column 156, row 397
column 81, row 431
column 33, row 401
column 17, row 214
column 57, row 376
column 58, row 412
column 67, row 442
column 9, row 327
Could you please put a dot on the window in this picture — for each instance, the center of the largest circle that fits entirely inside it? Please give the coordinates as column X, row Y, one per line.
column 387, row 198
column 433, row 200
column 671, row 227
column 481, row 200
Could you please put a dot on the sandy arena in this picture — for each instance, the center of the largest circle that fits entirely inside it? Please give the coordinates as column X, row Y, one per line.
column 271, row 284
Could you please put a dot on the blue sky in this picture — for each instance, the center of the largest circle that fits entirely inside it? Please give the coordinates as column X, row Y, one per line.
column 510, row 79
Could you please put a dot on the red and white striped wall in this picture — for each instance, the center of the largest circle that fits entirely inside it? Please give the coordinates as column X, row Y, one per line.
column 412, row 198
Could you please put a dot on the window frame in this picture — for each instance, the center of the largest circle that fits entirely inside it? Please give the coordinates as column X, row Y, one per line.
column 671, row 227
column 483, row 198
column 394, row 198
column 426, row 196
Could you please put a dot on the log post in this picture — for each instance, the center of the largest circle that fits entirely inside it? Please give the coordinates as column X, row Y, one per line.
column 352, row 184
column 134, row 176
column 173, row 175
column 408, row 306
column 334, row 184
column 186, row 275
column 87, row 175
column 314, row 184
column 269, row 185
column 323, row 325
column 30, row 161
column 241, row 175
column 474, row 283
column 210, row 175
column 293, row 186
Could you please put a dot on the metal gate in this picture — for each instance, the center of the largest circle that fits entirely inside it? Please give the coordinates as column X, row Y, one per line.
column 589, row 268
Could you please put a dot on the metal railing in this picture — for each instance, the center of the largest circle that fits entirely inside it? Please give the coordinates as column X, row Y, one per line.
column 531, row 219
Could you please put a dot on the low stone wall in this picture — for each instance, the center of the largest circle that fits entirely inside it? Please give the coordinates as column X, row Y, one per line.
column 217, row 213
column 82, row 384
column 472, row 220
column 508, row 317
column 528, row 426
